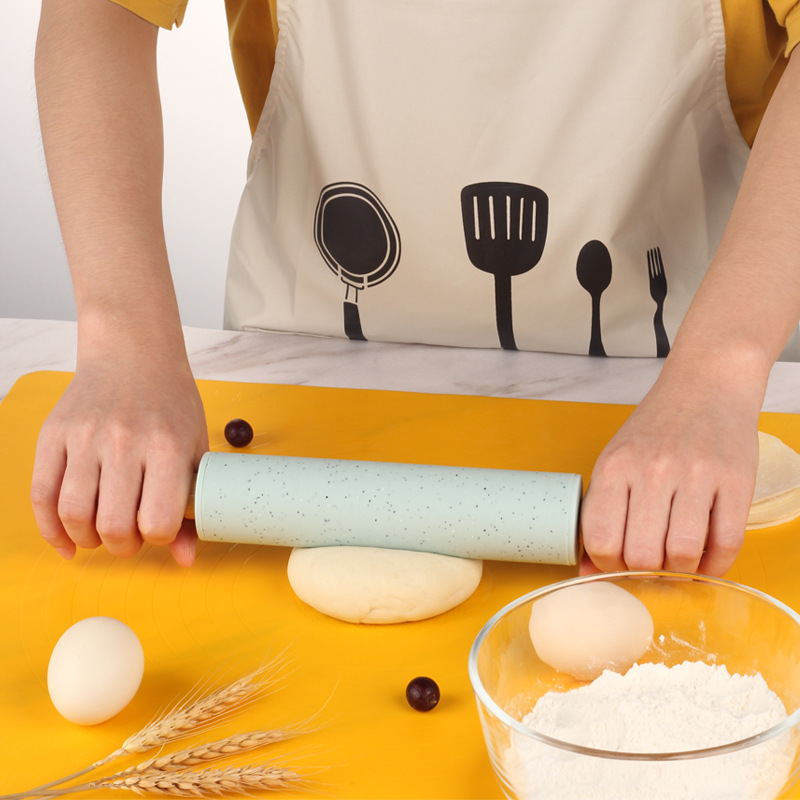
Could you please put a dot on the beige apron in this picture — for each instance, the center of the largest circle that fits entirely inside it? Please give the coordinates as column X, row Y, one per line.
column 528, row 174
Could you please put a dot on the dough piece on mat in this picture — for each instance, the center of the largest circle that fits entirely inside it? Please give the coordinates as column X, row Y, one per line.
column 778, row 468
column 776, row 498
column 775, row 510
column 374, row 585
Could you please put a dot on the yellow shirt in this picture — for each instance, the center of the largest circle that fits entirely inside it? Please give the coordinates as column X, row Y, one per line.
column 759, row 38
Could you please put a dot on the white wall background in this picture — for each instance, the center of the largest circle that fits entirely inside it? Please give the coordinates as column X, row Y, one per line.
column 206, row 140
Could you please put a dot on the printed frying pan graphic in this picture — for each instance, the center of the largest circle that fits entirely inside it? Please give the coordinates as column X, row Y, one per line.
column 505, row 227
column 358, row 240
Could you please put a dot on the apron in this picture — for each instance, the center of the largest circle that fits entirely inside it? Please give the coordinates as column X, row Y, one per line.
column 525, row 174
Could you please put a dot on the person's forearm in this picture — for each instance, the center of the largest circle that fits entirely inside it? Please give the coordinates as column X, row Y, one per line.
column 101, row 127
column 672, row 489
column 749, row 301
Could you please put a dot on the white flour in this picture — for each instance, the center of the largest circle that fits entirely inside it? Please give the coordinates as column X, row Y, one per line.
column 654, row 708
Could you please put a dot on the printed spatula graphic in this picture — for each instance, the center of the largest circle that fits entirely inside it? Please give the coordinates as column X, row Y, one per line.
column 505, row 227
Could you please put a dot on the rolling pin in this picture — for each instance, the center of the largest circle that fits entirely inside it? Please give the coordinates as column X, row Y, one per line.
column 497, row 514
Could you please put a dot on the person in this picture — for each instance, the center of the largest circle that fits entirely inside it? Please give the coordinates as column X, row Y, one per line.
column 544, row 158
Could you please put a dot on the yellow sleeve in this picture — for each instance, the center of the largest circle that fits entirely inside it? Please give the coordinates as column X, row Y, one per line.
column 253, row 30
column 164, row 13
column 253, row 26
column 757, row 49
column 787, row 12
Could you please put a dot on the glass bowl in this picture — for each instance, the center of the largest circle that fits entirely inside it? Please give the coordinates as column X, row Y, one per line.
column 696, row 618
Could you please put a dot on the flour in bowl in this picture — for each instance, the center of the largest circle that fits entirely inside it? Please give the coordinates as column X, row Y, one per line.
column 655, row 708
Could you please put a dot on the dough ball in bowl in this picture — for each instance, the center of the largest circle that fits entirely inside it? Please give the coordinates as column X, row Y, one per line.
column 374, row 585
column 587, row 628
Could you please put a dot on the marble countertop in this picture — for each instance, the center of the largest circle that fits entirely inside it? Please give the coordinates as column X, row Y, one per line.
column 32, row 345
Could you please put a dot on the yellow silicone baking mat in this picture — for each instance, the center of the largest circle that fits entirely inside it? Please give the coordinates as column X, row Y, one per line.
column 234, row 609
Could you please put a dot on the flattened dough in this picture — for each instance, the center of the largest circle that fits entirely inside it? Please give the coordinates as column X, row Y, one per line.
column 775, row 510
column 776, row 498
column 778, row 468
column 373, row 585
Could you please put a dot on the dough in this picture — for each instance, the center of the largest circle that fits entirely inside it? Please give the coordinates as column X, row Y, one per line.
column 776, row 498
column 369, row 584
column 775, row 510
column 778, row 468
column 587, row 628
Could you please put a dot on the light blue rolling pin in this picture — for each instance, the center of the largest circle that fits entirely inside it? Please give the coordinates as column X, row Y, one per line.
column 497, row 514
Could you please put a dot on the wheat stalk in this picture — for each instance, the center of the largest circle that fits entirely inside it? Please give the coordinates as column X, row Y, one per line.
column 220, row 782
column 205, row 783
column 156, row 775
column 213, row 751
column 193, row 713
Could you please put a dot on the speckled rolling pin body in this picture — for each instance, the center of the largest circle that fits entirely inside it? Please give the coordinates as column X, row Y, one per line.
column 504, row 515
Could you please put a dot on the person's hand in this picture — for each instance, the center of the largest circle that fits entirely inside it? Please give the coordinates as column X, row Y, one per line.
column 115, row 458
column 672, row 490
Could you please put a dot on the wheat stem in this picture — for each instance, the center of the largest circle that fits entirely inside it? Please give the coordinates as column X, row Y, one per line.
column 192, row 714
column 219, row 782
column 206, row 783
column 198, row 755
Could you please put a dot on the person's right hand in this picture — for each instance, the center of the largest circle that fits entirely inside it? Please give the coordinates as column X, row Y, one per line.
column 115, row 458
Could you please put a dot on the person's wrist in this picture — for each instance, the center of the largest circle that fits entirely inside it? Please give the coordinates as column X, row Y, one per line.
column 734, row 372
column 129, row 333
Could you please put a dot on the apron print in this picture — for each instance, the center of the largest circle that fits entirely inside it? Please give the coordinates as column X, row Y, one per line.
column 505, row 228
column 529, row 133
column 594, row 275
column 359, row 241
column 658, row 291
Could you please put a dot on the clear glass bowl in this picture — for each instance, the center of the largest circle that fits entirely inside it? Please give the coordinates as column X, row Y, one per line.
column 696, row 619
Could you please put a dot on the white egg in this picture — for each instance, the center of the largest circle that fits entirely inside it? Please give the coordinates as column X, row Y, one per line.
column 95, row 670
column 590, row 627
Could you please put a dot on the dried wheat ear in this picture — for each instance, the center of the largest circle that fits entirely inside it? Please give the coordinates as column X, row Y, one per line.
column 169, row 774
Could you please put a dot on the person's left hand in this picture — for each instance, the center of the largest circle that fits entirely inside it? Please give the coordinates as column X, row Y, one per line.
column 672, row 490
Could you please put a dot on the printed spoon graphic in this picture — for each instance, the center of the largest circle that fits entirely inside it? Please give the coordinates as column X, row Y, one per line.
column 594, row 275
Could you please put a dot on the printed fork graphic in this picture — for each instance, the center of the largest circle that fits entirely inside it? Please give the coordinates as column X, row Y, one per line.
column 658, row 291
